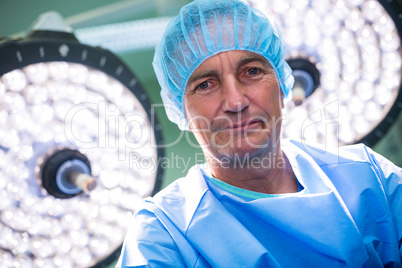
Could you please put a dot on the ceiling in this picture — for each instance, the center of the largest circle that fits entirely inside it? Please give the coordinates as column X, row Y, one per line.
column 17, row 15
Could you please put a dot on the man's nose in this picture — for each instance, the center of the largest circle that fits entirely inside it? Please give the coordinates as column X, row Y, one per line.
column 235, row 98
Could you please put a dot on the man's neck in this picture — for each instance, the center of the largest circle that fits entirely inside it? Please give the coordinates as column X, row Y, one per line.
column 270, row 173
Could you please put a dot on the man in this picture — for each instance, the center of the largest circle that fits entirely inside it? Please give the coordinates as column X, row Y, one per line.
column 258, row 201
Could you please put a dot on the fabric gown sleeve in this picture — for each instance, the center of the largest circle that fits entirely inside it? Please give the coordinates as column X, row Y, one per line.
column 140, row 248
column 391, row 179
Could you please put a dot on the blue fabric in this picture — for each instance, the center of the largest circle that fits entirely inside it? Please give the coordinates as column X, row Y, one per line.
column 351, row 217
column 205, row 28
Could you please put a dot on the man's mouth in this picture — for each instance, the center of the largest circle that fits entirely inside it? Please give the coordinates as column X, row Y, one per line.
column 249, row 124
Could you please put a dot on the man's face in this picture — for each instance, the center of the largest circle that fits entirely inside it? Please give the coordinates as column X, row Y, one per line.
column 233, row 105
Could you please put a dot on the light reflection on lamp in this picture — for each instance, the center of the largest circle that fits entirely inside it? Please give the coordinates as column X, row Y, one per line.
column 72, row 117
column 354, row 48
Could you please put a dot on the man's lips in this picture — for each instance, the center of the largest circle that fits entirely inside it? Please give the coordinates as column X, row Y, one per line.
column 244, row 125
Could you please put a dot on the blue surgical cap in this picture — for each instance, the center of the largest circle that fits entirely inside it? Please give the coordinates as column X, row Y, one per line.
column 205, row 28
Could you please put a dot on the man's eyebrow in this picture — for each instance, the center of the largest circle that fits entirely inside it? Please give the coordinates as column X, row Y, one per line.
column 258, row 58
column 195, row 77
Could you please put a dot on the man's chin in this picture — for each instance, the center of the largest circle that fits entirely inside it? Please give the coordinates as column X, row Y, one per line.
column 242, row 153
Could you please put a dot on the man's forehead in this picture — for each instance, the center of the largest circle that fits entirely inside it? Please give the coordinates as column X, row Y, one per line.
column 239, row 56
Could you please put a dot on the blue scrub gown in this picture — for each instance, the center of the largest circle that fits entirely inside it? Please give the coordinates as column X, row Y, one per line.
column 350, row 217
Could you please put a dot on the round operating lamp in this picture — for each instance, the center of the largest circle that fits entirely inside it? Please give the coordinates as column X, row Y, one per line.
column 346, row 60
column 78, row 149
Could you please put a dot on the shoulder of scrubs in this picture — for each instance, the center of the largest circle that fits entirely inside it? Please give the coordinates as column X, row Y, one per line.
column 139, row 248
column 353, row 158
column 391, row 179
column 156, row 236
column 389, row 174
column 181, row 198
column 325, row 155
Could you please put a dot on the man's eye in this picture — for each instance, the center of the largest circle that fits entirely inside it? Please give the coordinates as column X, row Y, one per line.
column 203, row 85
column 252, row 71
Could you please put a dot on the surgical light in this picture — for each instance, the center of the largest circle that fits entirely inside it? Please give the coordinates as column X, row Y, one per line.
column 346, row 58
column 78, row 150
